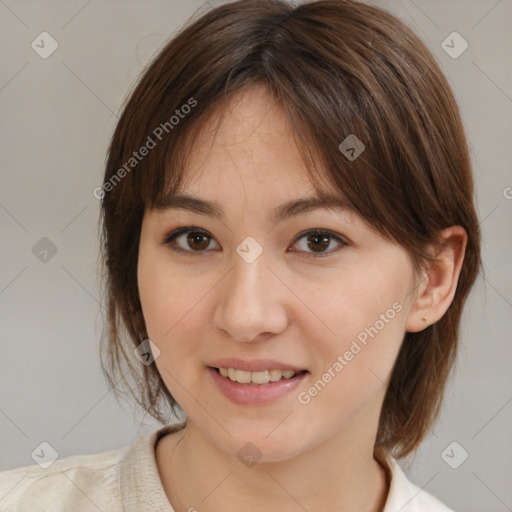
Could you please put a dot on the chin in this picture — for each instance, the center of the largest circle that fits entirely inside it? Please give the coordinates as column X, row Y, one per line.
column 264, row 441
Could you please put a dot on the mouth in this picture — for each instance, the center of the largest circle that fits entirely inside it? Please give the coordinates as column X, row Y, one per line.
column 259, row 388
column 259, row 378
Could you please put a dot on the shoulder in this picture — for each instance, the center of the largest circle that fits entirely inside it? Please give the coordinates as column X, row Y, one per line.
column 404, row 496
column 79, row 482
column 121, row 480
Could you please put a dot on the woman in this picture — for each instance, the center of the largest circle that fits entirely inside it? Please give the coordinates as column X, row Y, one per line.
column 289, row 239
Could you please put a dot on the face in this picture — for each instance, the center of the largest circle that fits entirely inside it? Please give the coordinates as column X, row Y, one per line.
column 318, row 291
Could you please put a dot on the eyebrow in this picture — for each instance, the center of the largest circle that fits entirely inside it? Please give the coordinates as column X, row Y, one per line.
column 279, row 213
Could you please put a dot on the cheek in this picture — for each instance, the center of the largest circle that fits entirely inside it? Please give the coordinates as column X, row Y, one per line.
column 374, row 322
column 165, row 293
column 367, row 314
column 174, row 309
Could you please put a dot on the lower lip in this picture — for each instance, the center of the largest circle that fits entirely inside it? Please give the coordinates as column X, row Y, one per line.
column 255, row 394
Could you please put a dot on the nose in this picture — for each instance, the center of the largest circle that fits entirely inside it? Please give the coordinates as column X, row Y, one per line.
column 250, row 301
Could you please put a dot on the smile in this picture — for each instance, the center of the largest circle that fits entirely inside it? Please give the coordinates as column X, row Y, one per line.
column 259, row 388
column 262, row 377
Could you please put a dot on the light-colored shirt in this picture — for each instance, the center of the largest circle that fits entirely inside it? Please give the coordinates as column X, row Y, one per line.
column 127, row 480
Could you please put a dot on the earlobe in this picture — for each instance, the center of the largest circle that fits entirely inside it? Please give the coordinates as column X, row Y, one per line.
column 436, row 290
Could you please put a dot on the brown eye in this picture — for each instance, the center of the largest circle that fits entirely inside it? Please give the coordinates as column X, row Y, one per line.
column 198, row 241
column 189, row 240
column 318, row 241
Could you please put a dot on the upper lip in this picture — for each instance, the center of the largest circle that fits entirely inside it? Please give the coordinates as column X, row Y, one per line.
column 255, row 365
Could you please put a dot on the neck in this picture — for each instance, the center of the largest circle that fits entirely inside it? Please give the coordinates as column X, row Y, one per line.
column 339, row 474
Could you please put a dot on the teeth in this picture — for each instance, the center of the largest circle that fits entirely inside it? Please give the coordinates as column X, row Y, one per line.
column 260, row 377
column 275, row 375
column 264, row 377
column 243, row 377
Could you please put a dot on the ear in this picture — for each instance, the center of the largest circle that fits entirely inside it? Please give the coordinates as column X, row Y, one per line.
column 436, row 290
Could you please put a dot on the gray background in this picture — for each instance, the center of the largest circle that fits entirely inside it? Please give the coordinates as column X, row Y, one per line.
column 57, row 117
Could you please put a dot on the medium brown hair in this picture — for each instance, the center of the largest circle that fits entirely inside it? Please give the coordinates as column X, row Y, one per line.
column 337, row 67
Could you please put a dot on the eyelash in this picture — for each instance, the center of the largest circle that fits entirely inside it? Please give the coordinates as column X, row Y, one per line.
column 173, row 235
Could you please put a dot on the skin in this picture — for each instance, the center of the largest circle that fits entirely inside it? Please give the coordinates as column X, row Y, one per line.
column 287, row 305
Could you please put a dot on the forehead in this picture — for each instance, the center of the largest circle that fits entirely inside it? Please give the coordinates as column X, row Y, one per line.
column 250, row 141
column 244, row 161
